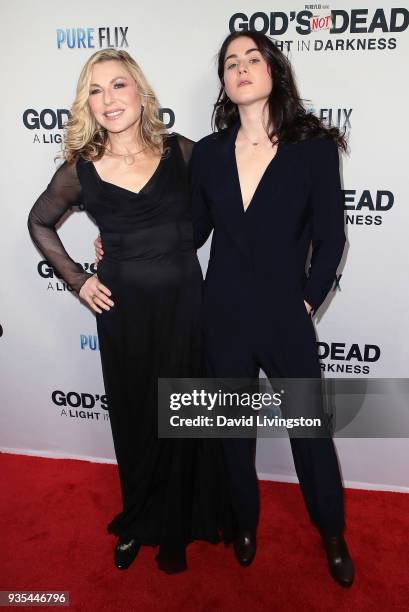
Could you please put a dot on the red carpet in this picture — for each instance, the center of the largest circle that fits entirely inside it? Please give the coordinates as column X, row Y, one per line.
column 54, row 513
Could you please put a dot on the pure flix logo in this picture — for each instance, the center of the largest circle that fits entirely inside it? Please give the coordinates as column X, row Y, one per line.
column 92, row 38
column 78, row 405
column 54, row 282
column 333, row 117
column 367, row 207
column 341, row 357
column 47, row 124
column 358, row 29
column 89, row 342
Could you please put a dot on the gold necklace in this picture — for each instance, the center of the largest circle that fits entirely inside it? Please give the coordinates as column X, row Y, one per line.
column 255, row 144
column 129, row 158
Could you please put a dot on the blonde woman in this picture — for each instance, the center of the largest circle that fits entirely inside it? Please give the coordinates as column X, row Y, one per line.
column 131, row 177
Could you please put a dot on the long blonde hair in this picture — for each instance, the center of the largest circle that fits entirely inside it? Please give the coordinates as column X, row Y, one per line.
column 85, row 137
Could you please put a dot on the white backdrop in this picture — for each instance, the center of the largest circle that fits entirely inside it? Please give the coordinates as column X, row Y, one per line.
column 51, row 382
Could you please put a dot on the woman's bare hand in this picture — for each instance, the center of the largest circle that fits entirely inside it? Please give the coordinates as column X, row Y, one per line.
column 96, row 295
column 98, row 249
column 308, row 307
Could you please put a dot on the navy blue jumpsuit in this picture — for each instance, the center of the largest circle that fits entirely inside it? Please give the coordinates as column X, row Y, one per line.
column 253, row 304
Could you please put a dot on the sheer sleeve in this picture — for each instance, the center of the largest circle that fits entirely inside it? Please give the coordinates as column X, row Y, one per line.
column 63, row 192
column 186, row 147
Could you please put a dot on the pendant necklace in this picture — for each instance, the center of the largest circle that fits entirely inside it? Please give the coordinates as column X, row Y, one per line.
column 254, row 143
column 129, row 158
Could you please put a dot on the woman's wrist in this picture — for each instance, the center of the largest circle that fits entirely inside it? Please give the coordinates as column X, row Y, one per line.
column 308, row 307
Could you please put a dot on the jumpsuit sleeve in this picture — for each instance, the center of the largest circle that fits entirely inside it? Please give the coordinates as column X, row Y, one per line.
column 328, row 235
column 201, row 216
column 63, row 192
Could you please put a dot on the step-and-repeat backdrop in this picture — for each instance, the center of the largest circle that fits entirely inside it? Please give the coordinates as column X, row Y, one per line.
column 351, row 67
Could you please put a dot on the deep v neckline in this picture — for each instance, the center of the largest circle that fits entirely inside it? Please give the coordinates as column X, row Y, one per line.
column 244, row 210
column 135, row 193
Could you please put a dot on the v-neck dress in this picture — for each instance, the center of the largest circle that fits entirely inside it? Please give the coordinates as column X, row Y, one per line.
column 172, row 489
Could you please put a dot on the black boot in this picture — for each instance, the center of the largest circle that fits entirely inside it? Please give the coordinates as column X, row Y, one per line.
column 339, row 560
column 245, row 547
column 125, row 553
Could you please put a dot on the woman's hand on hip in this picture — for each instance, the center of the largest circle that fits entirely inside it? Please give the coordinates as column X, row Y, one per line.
column 98, row 250
column 96, row 295
column 308, row 307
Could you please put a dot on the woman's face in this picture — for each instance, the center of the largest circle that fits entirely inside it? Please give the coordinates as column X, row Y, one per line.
column 246, row 75
column 113, row 97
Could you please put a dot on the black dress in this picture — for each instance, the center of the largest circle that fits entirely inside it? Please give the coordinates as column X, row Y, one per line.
column 172, row 490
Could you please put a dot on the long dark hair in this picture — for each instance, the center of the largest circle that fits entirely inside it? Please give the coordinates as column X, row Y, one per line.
column 288, row 119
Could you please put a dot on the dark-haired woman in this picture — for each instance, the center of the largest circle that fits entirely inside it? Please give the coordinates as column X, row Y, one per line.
column 268, row 184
